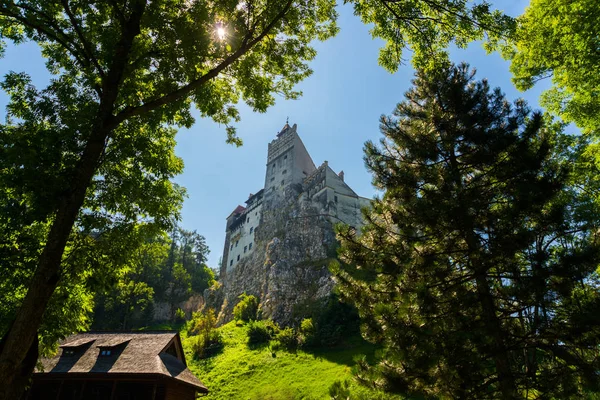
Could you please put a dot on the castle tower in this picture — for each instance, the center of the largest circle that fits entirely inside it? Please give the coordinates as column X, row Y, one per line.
column 288, row 162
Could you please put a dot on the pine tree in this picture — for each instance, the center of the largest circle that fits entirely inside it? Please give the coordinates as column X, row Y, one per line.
column 474, row 269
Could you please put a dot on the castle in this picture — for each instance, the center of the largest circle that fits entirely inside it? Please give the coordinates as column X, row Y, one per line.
column 278, row 246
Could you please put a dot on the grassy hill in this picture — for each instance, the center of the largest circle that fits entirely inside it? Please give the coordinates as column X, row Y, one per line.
column 241, row 372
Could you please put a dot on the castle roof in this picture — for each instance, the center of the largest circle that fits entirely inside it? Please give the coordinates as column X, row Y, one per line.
column 238, row 210
column 284, row 129
column 254, row 196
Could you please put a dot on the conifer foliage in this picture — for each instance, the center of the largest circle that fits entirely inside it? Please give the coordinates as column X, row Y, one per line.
column 475, row 271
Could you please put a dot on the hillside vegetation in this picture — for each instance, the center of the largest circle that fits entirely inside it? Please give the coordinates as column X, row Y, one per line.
column 240, row 371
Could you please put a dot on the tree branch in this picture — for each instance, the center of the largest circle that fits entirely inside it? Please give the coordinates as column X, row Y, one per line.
column 185, row 90
column 84, row 43
column 38, row 27
column 433, row 4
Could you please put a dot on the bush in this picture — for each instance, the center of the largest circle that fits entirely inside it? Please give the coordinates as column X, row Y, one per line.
column 306, row 335
column 205, row 346
column 179, row 316
column 331, row 321
column 247, row 308
column 260, row 332
column 287, row 338
column 204, row 326
column 202, row 323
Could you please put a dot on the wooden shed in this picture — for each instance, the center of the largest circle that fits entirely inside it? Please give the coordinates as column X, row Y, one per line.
column 117, row 366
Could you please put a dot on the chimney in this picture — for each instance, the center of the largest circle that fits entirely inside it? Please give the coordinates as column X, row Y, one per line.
column 341, row 175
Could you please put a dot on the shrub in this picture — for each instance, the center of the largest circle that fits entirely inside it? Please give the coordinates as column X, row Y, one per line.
column 202, row 323
column 306, row 335
column 179, row 316
column 247, row 308
column 287, row 338
column 331, row 321
column 205, row 346
column 261, row 331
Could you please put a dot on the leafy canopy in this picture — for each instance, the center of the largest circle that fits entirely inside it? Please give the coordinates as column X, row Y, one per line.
column 428, row 27
column 210, row 53
column 558, row 39
column 163, row 269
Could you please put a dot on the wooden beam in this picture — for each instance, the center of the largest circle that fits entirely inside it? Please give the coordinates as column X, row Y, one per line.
column 114, row 390
column 60, row 389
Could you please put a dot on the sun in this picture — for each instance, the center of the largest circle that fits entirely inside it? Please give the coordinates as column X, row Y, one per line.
column 221, row 32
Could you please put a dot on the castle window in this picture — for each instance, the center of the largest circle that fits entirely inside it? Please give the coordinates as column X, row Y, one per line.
column 238, row 257
column 236, row 243
column 272, row 179
column 230, row 263
column 273, row 165
column 250, row 246
column 231, row 248
column 245, row 248
column 284, row 171
column 251, row 229
column 285, row 157
column 335, row 198
column 248, row 219
column 282, row 181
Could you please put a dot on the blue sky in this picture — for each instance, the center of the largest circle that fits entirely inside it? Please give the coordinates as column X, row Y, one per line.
column 339, row 110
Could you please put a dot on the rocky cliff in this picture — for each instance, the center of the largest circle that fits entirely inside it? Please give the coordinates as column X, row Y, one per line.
column 288, row 270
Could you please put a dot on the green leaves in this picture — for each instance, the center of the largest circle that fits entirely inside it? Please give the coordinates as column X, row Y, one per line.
column 428, row 27
column 558, row 40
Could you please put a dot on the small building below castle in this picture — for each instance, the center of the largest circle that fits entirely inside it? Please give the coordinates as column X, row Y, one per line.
column 114, row 366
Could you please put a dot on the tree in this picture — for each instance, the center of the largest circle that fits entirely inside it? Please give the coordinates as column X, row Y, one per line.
column 194, row 252
column 186, row 270
column 475, row 271
column 559, row 40
column 428, row 27
column 127, row 303
column 95, row 147
column 164, row 268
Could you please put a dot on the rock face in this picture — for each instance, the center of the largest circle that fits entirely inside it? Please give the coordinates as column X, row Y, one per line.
column 279, row 246
column 162, row 310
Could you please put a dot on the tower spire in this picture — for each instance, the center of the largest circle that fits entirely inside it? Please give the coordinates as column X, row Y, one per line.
column 285, row 128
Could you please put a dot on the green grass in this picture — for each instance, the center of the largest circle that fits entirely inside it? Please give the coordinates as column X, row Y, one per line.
column 239, row 372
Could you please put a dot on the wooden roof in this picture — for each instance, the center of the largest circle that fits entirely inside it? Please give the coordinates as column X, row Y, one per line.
column 131, row 353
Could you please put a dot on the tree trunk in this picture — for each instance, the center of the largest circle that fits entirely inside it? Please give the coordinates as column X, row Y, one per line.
column 492, row 323
column 500, row 355
column 22, row 334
